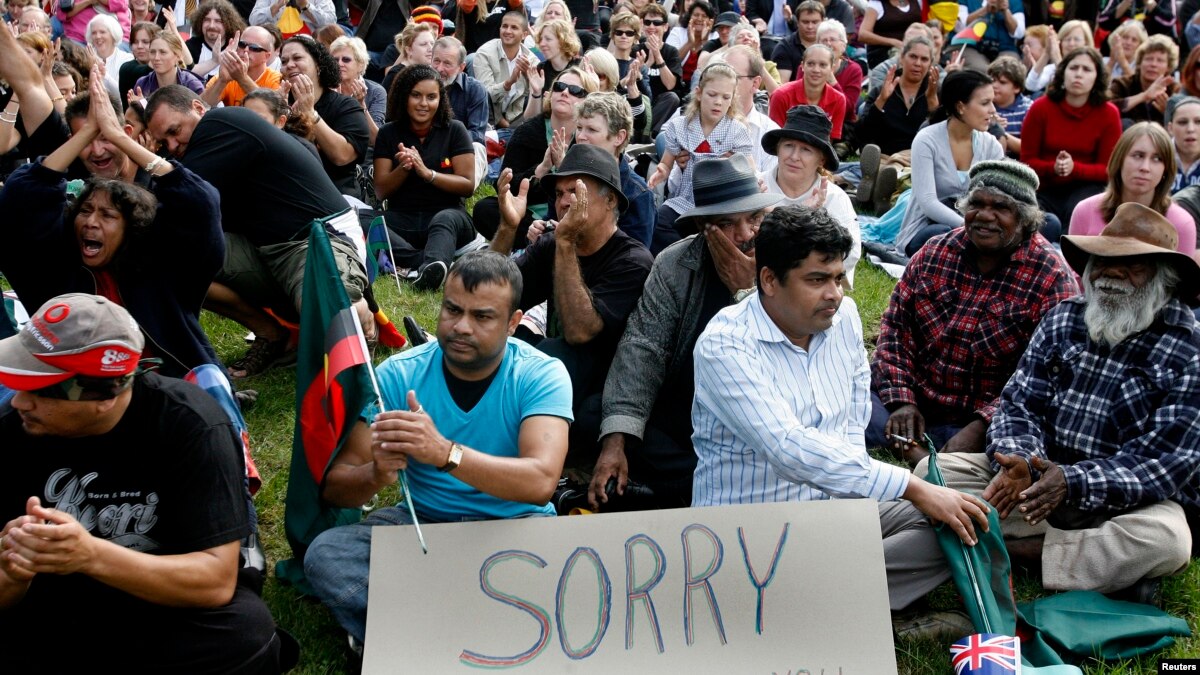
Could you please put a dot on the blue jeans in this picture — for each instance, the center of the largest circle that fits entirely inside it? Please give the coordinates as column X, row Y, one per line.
column 338, row 565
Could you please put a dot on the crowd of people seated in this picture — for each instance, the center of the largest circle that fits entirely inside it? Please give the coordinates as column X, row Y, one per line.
column 655, row 292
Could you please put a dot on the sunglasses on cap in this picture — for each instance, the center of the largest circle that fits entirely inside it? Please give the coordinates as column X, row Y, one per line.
column 572, row 89
column 622, row 32
column 242, row 44
column 84, row 388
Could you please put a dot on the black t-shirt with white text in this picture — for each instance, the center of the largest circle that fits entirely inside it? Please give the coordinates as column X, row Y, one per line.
column 168, row 479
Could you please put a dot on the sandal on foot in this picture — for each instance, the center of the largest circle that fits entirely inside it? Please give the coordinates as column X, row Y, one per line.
column 262, row 356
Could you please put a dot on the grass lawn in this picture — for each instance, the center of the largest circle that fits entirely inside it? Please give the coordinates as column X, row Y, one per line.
column 324, row 643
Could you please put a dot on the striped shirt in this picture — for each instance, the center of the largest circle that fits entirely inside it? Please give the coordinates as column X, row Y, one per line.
column 774, row 422
column 680, row 134
column 1123, row 422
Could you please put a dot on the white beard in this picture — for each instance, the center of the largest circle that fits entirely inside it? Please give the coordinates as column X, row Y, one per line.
column 1124, row 310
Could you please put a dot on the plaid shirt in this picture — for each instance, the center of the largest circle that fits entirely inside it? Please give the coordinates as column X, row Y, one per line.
column 1124, row 423
column 951, row 335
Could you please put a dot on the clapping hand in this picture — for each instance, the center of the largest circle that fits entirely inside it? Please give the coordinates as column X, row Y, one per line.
column 574, row 221
column 512, row 206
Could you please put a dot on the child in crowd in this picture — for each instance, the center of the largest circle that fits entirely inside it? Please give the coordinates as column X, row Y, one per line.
column 711, row 127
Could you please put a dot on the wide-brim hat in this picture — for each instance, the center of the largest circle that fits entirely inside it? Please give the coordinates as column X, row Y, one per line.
column 1135, row 230
column 808, row 124
column 726, row 185
column 589, row 160
column 72, row 334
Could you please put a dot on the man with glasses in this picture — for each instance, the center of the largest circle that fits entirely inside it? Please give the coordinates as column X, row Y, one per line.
column 123, row 490
column 245, row 69
column 664, row 67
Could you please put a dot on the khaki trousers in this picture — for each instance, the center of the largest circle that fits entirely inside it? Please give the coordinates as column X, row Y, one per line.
column 1149, row 541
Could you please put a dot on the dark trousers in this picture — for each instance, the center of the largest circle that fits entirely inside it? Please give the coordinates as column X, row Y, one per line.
column 486, row 219
column 665, row 105
column 665, row 232
column 237, row 638
column 940, row 424
column 583, row 364
column 663, row 459
column 1061, row 201
column 421, row 237
column 923, row 235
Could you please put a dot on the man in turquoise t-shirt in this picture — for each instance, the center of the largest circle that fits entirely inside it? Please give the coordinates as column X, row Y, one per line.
column 479, row 420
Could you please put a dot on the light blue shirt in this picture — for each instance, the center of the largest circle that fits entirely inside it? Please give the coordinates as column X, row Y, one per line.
column 528, row 383
column 774, row 422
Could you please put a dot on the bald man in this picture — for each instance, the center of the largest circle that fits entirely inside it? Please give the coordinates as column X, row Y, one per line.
column 244, row 69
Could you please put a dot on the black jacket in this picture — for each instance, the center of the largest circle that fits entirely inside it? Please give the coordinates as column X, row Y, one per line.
column 162, row 275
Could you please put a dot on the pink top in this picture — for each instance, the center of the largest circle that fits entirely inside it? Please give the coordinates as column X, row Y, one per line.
column 75, row 27
column 1087, row 220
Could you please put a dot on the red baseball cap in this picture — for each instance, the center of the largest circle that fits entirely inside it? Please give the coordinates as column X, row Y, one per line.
column 73, row 334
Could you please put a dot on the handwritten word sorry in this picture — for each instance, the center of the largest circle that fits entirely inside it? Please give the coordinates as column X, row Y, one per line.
column 703, row 555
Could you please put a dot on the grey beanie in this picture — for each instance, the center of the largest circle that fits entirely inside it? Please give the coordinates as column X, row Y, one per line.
column 1173, row 104
column 1012, row 178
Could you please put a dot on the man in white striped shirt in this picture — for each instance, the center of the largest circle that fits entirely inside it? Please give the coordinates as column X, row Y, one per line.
column 783, row 398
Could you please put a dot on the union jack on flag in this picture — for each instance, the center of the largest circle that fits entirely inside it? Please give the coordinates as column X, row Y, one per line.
column 986, row 654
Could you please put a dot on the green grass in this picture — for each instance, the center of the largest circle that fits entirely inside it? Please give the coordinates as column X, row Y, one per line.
column 324, row 644
column 324, row 649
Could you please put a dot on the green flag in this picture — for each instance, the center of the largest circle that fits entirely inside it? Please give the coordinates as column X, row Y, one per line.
column 333, row 385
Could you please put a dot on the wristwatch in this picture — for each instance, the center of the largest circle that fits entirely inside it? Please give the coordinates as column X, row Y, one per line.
column 743, row 294
column 454, row 459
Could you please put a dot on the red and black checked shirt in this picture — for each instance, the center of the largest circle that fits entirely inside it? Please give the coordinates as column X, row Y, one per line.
column 953, row 336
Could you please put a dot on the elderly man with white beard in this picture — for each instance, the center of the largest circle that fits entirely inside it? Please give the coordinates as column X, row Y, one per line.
column 1092, row 458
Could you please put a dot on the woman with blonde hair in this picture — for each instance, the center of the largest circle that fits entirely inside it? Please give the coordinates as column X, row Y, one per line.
column 1123, row 43
column 1142, row 95
column 710, row 127
column 166, row 57
column 352, row 59
column 631, row 84
column 1074, row 34
column 1141, row 169
column 537, row 147
column 560, row 48
column 554, row 9
column 1041, row 53
column 415, row 44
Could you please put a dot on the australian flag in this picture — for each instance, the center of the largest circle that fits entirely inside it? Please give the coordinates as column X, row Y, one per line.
column 986, row 654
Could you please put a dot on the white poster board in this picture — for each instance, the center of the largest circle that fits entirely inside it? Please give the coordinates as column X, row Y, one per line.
column 767, row 588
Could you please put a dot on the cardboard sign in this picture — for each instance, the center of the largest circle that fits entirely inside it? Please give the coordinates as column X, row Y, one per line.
column 765, row 588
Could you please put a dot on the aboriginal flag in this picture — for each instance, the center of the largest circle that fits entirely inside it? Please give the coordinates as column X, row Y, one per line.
column 333, row 385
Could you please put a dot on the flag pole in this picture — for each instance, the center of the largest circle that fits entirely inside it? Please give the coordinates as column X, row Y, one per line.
column 403, row 473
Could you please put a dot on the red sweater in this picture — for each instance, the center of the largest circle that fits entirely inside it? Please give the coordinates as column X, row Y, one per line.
column 1088, row 133
column 833, row 102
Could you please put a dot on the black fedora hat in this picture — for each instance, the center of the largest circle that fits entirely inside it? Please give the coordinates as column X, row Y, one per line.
column 806, row 123
column 728, row 19
column 725, row 186
column 589, row 160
